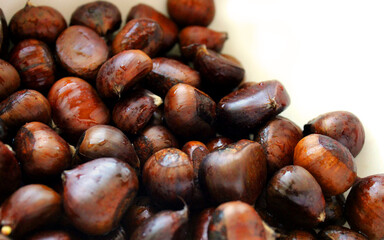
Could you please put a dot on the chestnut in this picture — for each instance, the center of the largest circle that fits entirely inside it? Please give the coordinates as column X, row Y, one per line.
column 24, row 106
column 81, row 51
column 299, row 235
column 342, row 126
column 39, row 22
column 41, row 151
column 168, row 175
column 10, row 174
column 218, row 143
column 34, row 61
column 106, row 141
column 201, row 223
column 245, row 183
column 76, row 106
column 121, row 72
column 293, row 191
column 237, row 220
column 189, row 112
column 4, row 36
column 97, row 193
column 9, row 79
column 153, row 139
column 328, row 161
column 191, row 12
column 29, row 208
column 364, row 206
column 134, row 111
column 143, row 33
column 279, row 137
column 51, row 235
column 101, row 16
column 169, row 28
column 168, row 72
column 334, row 211
column 338, row 232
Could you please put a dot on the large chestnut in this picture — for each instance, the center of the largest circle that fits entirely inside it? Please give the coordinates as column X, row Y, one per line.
column 364, row 206
column 328, row 161
column 4, row 35
column 236, row 172
column 97, row 193
column 191, row 12
column 10, row 174
column 338, row 232
column 9, row 79
column 342, row 126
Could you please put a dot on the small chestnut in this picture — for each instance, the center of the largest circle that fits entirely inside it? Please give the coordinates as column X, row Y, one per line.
column 191, row 12
column 218, row 143
column 9, row 79
column 338, row 232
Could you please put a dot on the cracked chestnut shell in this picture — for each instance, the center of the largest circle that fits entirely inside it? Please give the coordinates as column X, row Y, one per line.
column 10, row 173
column 9, row 79
column 338, row 232
column 97, row 193
column 191, row 12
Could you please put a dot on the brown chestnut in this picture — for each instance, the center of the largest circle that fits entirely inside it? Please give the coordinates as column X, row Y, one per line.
column 121, row 72
column 76, row 106
column 299, row 235
column 328, row 161
column 39, row 22
column 9, row 79
column 189, row 112
column 169, row 28
column 97, row 193
column 106, row 141
column 201, row 223
column 81, row 51
column 168, row 72
column 342, row 126
column 4, row 35
column 143, row 33
column 168, row 175
column 191, row 12
column 279, row 137
column 29, row 208
column 101, row 16
column 51, row 235
column 34, row 61
column 10, row 174
column 338, row 232
column 364, row 206
column 236, row 172
column 334, row 211
column 293, row 191
column 218, row 143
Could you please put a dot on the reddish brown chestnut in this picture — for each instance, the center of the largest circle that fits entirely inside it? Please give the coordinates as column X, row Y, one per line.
column 212, row 39
column 338, row 232
column 101, row 16
column 364, row 206
column 121, row 72
column 29, row 208
column 144, row 34
column 189, row 112
column 218, row 143
column 293, row 191
column 97, row 193
column 191, row 12
column 245, row 183
column 4, row 36
column 328, row 161
column 9, row 79
column 34, row 61
column 10, row 174
column 81, row 51
column 39, row 22
column 342, row 126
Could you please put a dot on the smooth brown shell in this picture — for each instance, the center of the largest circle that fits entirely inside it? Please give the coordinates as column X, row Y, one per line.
column 212, row 39
column 9, row 79
column 10, row 173
column 191, row 12
column 218, row 143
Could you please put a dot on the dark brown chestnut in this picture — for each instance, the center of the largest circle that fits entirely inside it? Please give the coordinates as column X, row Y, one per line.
column 223, row 183
column 189, row 112
column 10, row 174
column 101, row 16
column 97, row 193
column 334, row 211
column 169, row 28
column 168, row 72
column 328, row 161
column 252, row 106
column 121, row 72
column 191, row 12
column 342, row 126
column 81, row 51
column 34, row 61
column 168, row 175
column 201, row 223
column 76, row 106
column 364, row 206
column 293, row 191
column 106, row 141
column 25, row 106
column 39, row 22
column 237, row 220
column 153, row 139
column 143, row 33
column 134, row 111
column 338, row 232
column 9, row 79
column 51, row 235
column 3, row 131
column 218, row 143
column 4, row 36
column 30, row 207
column 279, row 137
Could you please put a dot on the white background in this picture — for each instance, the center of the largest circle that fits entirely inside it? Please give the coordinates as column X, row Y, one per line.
column 328, row 54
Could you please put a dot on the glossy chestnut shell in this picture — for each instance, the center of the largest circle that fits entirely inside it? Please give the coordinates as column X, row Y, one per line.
column 338, row 232
column 334, row 210
column 9, row 79
column 218, row 143
column 10, row 174
column 212, row 39
column 191, row 12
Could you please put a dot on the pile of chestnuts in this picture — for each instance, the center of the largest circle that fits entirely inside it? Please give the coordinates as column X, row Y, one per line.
column 145, row 130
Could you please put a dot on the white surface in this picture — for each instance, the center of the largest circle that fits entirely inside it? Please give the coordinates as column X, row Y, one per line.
column 328, row 54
